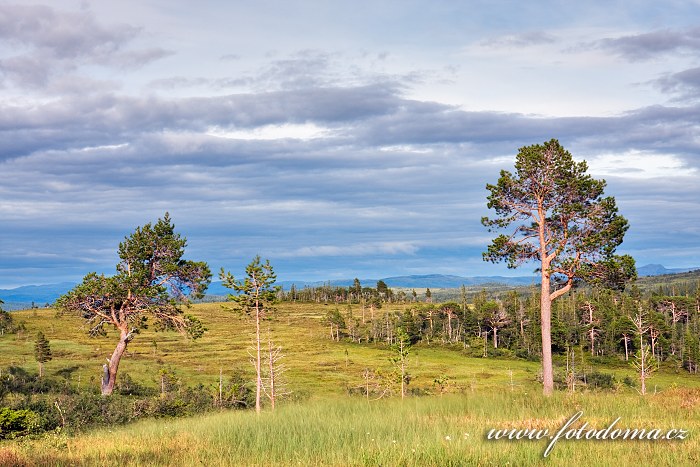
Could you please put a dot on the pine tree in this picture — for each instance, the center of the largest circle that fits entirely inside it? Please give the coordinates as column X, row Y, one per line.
column 255, row 296
column 6, row 324
column 562, row 222
column 152, row 280
column 42, row 351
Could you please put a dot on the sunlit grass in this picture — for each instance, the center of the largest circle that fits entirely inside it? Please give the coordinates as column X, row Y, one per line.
column 318, row 367
column 447, row 430
column 329, row 427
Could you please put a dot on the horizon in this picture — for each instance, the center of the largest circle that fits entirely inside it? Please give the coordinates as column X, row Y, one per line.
column 364, row 280
column 360, row 148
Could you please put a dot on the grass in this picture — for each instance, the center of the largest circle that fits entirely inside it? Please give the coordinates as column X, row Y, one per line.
column 447, row 430
column 317, row 366
column 328, row 427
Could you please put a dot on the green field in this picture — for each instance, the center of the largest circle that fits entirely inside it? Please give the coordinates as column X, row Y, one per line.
column 321, row 424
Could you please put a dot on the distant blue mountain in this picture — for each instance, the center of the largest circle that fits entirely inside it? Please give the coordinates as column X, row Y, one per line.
column 437, row 281
column 39, row 294
column 441, row 281
column 22, row 297
column 659, row 270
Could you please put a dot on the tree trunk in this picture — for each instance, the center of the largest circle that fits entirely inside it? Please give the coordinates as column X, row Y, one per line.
column 258, row 382
column 449, row 327
column 495, row 337
column 590, row 322
column 272, row 376
column 109, row 377
column 642, row 372
column 403, row 370
column 546, row 311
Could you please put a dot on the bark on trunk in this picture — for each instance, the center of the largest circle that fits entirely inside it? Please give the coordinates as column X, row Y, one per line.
column 546, row 311
column 258, row 368
column 642, row 372
column 545, row 307
column 109, row 377
column 272, row 376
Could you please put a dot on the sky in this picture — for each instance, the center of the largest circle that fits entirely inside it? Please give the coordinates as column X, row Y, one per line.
column 336, row 139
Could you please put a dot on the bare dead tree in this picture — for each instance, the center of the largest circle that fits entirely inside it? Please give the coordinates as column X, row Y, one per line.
column 591, row 322
column 643, row 360
column 274, row 385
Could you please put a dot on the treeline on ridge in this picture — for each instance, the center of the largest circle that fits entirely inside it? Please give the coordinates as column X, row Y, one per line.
column 599, row 321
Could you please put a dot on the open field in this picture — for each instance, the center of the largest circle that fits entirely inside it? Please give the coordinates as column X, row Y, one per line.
column 324, row 425
column 317, row 366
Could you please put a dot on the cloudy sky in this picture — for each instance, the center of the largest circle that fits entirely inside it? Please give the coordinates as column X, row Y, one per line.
column 337, row 139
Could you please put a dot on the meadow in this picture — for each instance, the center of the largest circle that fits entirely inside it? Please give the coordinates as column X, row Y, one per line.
column 322, row 424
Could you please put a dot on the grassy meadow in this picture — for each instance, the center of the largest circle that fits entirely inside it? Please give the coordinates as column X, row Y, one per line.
column 321, row 424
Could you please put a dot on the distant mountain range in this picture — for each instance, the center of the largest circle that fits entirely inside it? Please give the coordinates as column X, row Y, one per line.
column 40, row 295
column 22, row 297
column 659, row 270
column 437, row 281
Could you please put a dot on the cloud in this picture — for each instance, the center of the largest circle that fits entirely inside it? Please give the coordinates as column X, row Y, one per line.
column 41, row 43
column 684, row 84
column 641, row 165
column 362, row 249
column 326, row 161
column 525, row 39
column 644, row 46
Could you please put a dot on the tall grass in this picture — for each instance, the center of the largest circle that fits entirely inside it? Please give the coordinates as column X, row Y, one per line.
column 447, row 430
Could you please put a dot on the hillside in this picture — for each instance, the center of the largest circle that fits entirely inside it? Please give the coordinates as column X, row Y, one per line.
column 317, row 365
column 673, row 284
column 23, row 297
column 486, row 393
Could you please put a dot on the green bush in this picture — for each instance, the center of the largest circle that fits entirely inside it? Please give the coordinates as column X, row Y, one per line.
column 238, row 392
column 15, row 423
column 601, row 380
column 629, row 382
column 126, row 386
column 45, row 404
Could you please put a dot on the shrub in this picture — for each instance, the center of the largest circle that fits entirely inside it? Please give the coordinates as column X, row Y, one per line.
column 197, row 399
column 126, row 386
column 238, row 392
column 629, row 382
column 15, row 423
column 601, row 380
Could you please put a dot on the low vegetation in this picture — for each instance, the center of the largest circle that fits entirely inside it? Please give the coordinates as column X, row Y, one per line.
column 337, row 388
column 448, row 430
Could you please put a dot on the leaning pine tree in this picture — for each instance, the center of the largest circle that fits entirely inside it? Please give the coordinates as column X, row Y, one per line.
column 559, row 218
column 152, row 281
